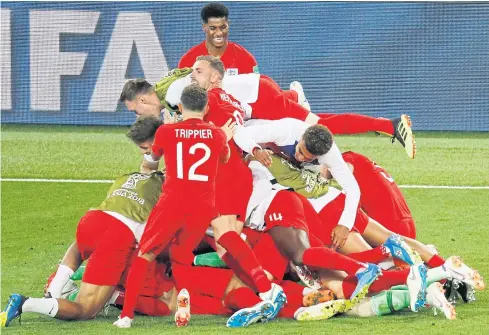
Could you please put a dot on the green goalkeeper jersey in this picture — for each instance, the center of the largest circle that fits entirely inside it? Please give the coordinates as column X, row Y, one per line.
column 304, row 182
column 161, row 88
column 133, row 195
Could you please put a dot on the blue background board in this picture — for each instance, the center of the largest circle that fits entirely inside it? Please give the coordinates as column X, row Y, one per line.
column 430, row 60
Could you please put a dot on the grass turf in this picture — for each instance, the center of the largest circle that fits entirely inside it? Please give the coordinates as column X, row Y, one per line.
column 39, row 220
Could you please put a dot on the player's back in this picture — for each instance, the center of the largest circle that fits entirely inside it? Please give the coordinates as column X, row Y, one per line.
column 192, row 151
column 222, row 107
column 380, row 195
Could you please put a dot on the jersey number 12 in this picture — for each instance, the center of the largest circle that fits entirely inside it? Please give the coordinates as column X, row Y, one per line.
column 191, row 172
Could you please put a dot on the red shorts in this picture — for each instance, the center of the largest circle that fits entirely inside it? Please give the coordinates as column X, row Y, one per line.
column 211, row 281
column 405, row 227
column 330, row 216
column 107, row 243
column 234, row 185
column 168, row 224
column 272, row 104
column 286, row 210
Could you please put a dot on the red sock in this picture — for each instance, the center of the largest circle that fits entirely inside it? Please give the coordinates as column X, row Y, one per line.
column 384, row 282
column 151, row 306
column 348, row 285
column 389, row 279
column 356, row 124
column 233, row 264
column 375, row 255
column 246, row 258
column 287, row 312
column 291, row 95
column 435, row 261
column 322, row 257
column 134, row 283
column 293, row 292
column 242, row 297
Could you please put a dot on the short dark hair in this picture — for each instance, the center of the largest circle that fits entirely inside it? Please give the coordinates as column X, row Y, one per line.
column 194, row 98
column 144, row 129
column 318, row 140
column 215, row 63
column 214, row 9
column 134, row 87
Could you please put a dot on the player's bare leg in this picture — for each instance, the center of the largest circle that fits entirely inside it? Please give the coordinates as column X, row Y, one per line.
column 222, row 225
column 89, row 302
column 376, row 234
column 70, row 263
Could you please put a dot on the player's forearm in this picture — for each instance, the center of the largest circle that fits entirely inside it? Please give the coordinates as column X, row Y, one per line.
column 342, row 174
column 245, row 140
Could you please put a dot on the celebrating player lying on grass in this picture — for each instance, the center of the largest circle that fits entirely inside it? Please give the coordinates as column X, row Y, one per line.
column 107, row 237
column 261, row 98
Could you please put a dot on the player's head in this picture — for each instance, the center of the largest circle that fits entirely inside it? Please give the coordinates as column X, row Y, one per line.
column 316, row 141
column 215, row 24
column 139, row 97
column 193, row 101
column 207, row 72
column 142, row 132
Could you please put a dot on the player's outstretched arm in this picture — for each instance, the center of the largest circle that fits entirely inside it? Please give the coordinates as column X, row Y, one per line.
column 342, row 174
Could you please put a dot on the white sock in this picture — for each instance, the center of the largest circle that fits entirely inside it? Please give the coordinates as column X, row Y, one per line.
column 114, row 297
column 60, row 279
column 387, row 264
column 436, row 274
column 45, row 306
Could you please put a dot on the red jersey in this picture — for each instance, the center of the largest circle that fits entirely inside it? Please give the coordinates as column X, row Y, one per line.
column 236, row 59
column 223, row 107
column 234, row 182
column 192, row 151
column 380, row 197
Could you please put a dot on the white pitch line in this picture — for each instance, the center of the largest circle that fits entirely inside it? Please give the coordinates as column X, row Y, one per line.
column 34, row 180
column 105, row 181
column 446, row 187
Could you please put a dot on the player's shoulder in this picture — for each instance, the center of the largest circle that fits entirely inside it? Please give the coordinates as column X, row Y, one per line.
column 239, row 48
column 192, row 53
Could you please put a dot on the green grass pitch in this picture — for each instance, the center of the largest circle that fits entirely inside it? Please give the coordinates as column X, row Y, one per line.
column 39, row 221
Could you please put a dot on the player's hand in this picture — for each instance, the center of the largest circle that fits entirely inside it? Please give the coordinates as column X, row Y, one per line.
column 169, row 118
column 229, row 129
column 339, row 236
column 263, row 156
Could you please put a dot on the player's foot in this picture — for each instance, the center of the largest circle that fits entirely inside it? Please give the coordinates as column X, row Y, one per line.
column 309, row 278
column 301, row 100
column 13, row 309
column 435, row 297
column 366, row 278
column 321, row 311
column 277, row 296
column 404, row 134
column 318, row 296
column 182, row 315
column 416, row 283
column 457, row 269
column 349, row 304
column 247, row 316
column 125, row 322
column 400, row 250
column 455, row 289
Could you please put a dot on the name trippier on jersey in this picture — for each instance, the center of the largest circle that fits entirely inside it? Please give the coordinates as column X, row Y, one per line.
column 127, row 194
column 193, row 133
